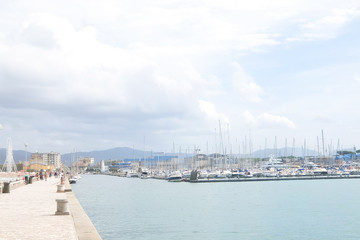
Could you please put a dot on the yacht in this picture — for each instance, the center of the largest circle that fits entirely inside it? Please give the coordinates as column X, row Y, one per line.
column 175, row 177
column 276, row 163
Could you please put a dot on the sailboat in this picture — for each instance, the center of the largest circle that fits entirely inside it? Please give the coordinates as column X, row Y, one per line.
column 74, row 177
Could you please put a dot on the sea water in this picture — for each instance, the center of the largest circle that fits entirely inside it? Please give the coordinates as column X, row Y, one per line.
column 133, row 208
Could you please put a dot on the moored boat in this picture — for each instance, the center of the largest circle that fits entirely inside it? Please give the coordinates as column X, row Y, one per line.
column 175, row 177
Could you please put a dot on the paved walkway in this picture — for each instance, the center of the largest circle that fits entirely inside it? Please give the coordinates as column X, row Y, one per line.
column 28, row 212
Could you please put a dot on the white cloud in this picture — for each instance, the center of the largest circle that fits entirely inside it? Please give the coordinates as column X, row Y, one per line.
column 83, row 70
column 266, row 120
column 120, row 68
column 209, row 109
column 245, row 86
column 327, row 26
column 357, row 79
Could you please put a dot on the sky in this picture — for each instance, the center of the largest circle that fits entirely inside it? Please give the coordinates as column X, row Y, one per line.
column 179, row 75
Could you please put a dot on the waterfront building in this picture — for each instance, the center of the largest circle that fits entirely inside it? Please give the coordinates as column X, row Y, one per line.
column 37, row 163
column 52, row 158
column 83, row 163
column 46, row 161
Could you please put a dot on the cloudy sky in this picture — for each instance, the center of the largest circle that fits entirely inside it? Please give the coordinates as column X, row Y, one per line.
column 94, row 75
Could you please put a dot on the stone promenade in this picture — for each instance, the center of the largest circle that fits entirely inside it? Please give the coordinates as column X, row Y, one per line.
column 28, row 212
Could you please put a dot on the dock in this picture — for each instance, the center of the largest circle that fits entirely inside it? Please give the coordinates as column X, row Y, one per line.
column 28, row 212
column 264, row 179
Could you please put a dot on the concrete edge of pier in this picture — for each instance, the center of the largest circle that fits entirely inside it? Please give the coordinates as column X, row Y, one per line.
column 267, row 179
column 84, row 227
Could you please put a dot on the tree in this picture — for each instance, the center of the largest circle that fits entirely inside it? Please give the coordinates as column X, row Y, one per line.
column 20, row 166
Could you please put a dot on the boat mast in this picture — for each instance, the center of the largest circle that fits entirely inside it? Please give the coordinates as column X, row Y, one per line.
column 323, row 143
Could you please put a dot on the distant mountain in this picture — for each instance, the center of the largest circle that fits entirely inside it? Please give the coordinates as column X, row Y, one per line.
column 297, row 152
column 119, row 153
column 18, row 155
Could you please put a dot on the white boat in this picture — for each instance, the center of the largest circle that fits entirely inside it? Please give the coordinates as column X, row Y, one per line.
column 132, row 174
column 276, row 163
column 203, row 174
column 320, row 172
column 213, row 174
column 145, row 174
column 175, row 177
column 74, row 179
column 186, row 174
column 225, row 174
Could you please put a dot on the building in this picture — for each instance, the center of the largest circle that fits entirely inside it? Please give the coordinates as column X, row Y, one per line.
column 37, row 163
column 83, row 163
column 36, row 158
column 52, row 158
column 46, row 161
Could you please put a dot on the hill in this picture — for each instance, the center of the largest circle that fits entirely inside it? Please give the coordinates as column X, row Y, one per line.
column 19, row 155
column 118, row 153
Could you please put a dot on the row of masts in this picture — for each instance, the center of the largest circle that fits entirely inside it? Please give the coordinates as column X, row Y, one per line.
column 228, row 157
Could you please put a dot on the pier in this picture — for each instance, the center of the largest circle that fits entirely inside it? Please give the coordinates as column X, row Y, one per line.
column 28, row 212
column 264, row 179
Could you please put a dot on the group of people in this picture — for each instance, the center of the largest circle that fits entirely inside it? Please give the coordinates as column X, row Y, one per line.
column 44, row 175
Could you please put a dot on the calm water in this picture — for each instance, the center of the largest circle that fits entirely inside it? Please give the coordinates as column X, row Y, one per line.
column 124, row 208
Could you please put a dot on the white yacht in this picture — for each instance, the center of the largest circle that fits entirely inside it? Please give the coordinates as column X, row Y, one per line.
column 175, row 177
column 276, row 163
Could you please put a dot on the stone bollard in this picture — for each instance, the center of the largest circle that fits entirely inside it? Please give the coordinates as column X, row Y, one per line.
column 60, row 188
column 6, row 188
column 62, row 207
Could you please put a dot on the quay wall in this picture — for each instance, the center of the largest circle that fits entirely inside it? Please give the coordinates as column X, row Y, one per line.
column 83, row 225
column 85, row 229
column 262, row 179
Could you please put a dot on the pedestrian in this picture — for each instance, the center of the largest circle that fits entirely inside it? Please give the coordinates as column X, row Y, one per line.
column 62, row 177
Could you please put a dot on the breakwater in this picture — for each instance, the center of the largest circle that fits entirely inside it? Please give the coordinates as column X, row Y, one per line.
column 195, row 177
column 264, row 179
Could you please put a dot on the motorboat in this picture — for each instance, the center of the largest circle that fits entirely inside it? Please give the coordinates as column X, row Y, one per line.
column 175, row 177
column 74, row 179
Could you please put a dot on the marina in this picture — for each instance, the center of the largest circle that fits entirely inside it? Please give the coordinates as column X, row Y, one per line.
column 272, row 169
